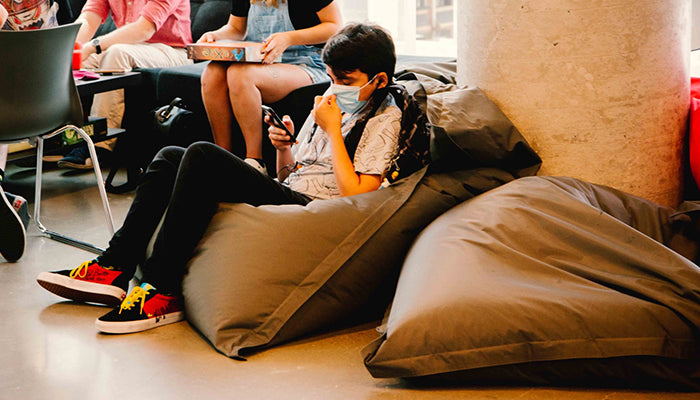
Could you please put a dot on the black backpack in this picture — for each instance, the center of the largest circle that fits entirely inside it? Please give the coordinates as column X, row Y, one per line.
column 414, row 137
column 167, row 125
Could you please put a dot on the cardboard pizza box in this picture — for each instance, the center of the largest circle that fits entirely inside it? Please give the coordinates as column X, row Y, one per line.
column 226, row 51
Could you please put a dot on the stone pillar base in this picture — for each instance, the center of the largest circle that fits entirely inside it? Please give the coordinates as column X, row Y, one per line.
column 599, row 88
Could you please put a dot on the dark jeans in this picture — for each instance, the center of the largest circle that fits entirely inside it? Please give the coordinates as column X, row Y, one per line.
column 189, row 184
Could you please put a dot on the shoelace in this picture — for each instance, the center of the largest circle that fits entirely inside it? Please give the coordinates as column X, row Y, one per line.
column 139, row 293
column 81, row 270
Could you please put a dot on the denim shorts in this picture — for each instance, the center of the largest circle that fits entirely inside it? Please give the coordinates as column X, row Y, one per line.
column 310, row 60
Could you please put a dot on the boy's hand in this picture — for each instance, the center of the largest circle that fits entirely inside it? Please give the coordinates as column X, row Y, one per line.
column 279, row 137
column 274, row 46
column 207, row 37
column 327, row 114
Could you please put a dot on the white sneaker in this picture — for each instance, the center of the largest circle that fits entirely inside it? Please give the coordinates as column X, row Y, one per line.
column 259, row 166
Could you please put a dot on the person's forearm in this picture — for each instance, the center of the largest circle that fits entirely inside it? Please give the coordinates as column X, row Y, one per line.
column 314, row 35
column 135, row 32
column 89, row 23
column 228, row 32
column 348, row 181
column 285, row 161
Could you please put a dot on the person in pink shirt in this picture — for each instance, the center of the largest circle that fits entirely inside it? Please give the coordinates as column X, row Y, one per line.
column 149, row 34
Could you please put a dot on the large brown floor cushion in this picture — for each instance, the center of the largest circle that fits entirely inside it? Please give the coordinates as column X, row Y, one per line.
column 547, row 281
column 263, row 275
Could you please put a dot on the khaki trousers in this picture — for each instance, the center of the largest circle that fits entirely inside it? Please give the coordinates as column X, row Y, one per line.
column 127, row 56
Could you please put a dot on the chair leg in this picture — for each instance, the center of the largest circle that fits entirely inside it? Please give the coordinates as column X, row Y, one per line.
column 100, row 185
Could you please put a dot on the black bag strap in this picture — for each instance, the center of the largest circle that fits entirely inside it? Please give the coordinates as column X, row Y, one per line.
column 352, row 140
column 164, row 113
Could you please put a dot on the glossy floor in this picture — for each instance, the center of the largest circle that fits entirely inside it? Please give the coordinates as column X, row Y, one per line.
column 49, row 348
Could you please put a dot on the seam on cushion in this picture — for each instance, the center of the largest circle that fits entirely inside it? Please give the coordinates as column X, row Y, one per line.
column 575, row 349
column 329, row 266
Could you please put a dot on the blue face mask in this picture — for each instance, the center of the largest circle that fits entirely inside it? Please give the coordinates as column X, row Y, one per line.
column 348, row 97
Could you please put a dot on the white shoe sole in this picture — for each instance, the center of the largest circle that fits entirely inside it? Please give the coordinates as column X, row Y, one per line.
column 13, row 236
column 71, row 165
column 52, row 158
column 140, row 325
column 82, row 291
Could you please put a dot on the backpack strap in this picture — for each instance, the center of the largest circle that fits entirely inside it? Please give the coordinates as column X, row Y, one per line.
column 414, row 138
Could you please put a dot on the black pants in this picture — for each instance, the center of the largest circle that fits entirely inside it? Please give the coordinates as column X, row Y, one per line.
column 189, row 184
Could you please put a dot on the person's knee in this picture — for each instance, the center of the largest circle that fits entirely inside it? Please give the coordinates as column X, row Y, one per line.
column 213, row 78
column 200, row 156
column 202, row 150
column 239, row 77
column 202, row 146
column 170, row 155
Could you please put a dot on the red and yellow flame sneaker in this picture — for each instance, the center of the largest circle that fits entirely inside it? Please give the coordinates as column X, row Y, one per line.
column 88, row 282
column 144, row 308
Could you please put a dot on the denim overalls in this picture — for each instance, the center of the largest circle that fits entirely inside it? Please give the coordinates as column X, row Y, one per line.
column 264, row 21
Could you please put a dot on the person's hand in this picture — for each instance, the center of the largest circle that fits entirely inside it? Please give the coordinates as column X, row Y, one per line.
column 87, row 51
column 207, row 37
column 274, row 46
column 327, row 114
column 279, row 137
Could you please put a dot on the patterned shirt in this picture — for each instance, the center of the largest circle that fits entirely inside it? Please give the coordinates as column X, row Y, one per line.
column 29, row 14
column 378, row 145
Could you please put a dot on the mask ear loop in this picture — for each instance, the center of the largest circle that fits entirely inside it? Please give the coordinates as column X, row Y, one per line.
column 368, row 82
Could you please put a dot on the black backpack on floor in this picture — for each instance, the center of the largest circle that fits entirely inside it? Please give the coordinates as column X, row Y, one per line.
column 169, row 125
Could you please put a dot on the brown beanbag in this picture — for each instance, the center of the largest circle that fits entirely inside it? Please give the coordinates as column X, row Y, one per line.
column 547, row 281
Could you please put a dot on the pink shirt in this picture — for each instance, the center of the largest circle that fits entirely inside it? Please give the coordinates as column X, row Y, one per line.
column 171, row 17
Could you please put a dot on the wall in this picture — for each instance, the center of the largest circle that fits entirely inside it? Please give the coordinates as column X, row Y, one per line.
column 695, row 36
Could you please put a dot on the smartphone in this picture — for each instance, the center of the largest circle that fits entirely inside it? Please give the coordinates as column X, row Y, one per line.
column 109, row 71
column 277, row 121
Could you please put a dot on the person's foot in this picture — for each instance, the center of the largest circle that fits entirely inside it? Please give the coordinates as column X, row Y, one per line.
column 13, row 235
column 89, row 282
column 19, row 203
column 144, row 308
column 79, row 158
column 259, row 165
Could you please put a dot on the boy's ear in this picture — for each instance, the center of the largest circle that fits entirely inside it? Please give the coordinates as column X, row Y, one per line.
column 382, row 80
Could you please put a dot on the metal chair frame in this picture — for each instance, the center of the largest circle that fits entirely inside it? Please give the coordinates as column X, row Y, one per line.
column 37, row 139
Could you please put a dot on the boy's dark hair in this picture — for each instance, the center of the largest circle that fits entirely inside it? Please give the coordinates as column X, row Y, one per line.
column 368, row 48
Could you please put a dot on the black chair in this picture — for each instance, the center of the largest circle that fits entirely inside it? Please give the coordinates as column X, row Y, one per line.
column 38, row 99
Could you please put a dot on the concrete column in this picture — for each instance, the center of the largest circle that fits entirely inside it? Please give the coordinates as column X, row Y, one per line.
column 600, row 88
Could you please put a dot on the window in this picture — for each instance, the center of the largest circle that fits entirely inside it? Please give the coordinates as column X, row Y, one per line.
column 419, row 27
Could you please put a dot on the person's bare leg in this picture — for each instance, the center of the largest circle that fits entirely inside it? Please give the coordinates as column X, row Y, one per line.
column 3, row 155
column 216, row 102
column 249, row 86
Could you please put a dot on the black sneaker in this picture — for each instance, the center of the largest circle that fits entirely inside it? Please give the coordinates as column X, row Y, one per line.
column 13, row 236
column 88, row 282
column 144, row 308
column 19, row 203
column 79, row 158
